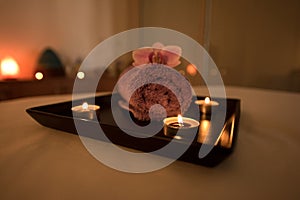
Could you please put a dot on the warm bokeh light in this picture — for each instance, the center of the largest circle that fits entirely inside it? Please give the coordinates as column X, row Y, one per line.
column 39, row 75
column 191, row 69
column 204, row 130
column 80, row 75
column 182, row 72
column 9, row 67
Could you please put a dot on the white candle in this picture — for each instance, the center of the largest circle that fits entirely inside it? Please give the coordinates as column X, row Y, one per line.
column 173, row 124
column 206, row 104
column 85, row 110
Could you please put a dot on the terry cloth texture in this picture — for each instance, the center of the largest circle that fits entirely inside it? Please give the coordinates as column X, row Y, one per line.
column 152, row 84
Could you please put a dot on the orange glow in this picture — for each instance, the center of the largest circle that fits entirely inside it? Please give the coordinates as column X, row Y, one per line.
column 204, row 131
column 205, row 124
column 207, row 100
column 191, row 69
column 9, row 67
column 24, row 54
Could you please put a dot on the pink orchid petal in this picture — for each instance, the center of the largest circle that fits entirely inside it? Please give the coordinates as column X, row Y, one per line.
column 141, row 56
column 173, row 54
column 174, row 49
column 157, row 45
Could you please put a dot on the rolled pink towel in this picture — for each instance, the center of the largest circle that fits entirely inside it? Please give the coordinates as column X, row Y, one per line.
column 145, row 86
column 154, row 83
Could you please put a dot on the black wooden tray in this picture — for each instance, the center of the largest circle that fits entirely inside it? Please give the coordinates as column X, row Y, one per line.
column 59, row 116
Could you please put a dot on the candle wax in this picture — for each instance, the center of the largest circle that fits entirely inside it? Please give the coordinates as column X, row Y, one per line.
column 179, row 125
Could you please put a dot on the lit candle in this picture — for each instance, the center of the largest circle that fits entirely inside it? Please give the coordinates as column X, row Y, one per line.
column 9, row 68
column 85, row 111
column 206, row 104
column 184, row 124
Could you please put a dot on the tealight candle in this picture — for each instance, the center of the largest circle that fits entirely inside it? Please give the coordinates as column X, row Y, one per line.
column 206, row 104
column 184, row 124
column 85, row 111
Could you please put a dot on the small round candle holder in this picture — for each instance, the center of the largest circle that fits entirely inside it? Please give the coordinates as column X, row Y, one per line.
column 85, row 111
column 186, row 125
column 206, row 105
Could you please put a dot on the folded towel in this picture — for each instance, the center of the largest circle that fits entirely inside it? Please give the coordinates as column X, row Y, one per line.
column 151, row 84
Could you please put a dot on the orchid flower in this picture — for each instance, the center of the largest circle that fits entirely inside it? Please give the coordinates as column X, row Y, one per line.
column 158, row 53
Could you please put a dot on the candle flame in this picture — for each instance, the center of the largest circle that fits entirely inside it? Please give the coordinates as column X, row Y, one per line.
column 207, row 100
column 179, row 119
column 85, row 106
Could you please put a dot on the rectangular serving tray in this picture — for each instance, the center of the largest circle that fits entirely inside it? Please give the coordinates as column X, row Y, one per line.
column 59, row 116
